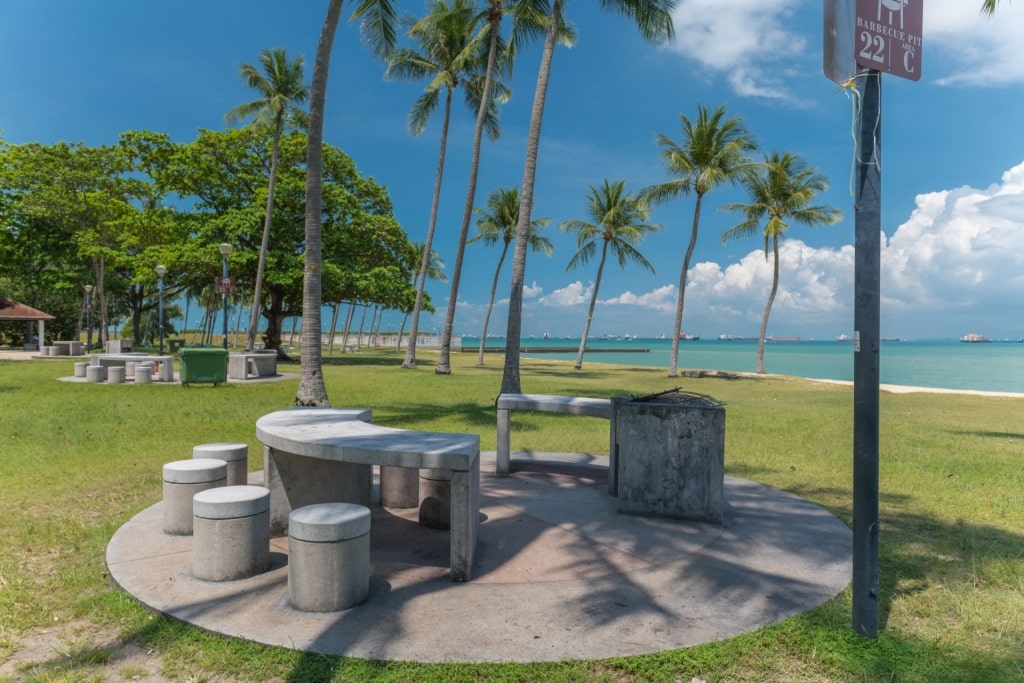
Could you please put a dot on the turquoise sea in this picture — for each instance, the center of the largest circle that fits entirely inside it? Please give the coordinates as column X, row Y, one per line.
column 942, row 364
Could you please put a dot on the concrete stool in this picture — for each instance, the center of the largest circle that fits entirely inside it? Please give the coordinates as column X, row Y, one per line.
column 399, row 487
column 436, row 498
column 236, row 455
column 129, row 370
column 115, row 374
column 328, row 556
column 143, row 374
column 95, row 373
column 231, row 532
column 183, row 479
column 80, row 368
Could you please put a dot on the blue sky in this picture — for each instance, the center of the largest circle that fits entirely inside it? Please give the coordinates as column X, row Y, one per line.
column 952, row 149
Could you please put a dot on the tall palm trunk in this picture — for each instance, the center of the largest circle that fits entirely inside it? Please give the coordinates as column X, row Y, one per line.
column 590, row 309
column 768, row 307
column 312, row 391
column 254, row 315
column 444, row 360
column 673, row 368
column 510, row 381
column 490, row 305
column 421, row 280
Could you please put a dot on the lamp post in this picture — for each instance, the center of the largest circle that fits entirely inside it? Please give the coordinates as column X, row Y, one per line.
column 225, row 251
column 160, row 270
column 88, row 318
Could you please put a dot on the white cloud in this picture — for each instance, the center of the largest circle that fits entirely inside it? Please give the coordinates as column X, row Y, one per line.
column 748, row 40
column 985, row 50
column 956, row 261
column 959, row 252
column 572, row 294
column 954, row 265
column 660, row 299
column 531, row 291
column 753, row 43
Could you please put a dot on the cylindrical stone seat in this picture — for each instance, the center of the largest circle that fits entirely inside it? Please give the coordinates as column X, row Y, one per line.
column 143, row 374
column 231, row 532
column 80, row 368
column 399, row 487
column 328, row 556
column 95, row 373
column 436, row 498
column 115, row 374
column 183, row 479
column 236, row 455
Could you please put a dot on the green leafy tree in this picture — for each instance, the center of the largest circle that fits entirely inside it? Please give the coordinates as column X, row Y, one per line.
column 618, row 225
column 653, row 19
column 781, row 192
column 450, row 54
column 280, row 87
column 214, row 180
column 713, row 151
column 497, row 223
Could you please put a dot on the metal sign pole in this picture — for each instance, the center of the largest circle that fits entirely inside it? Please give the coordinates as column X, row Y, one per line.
column 867, row 208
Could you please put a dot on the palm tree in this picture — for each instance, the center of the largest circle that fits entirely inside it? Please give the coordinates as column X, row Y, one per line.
column 989, row 7
column 378, row 22
column 618, row 224
column 780, row 190
column 654, row 20
column 435, row 271
column 498, row 224
column 526, row 25
column 280, row 86
column 450, row 55
column 713, row 152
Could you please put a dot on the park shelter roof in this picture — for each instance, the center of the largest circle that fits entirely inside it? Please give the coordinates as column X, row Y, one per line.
column 12, row 310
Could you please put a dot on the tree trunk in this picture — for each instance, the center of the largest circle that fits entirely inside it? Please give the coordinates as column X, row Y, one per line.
column 673, row 368
column 490, row 305
column 768, row 307
column 421, row 281
column 590, row 309
column 510, row 380
column 254, row 315
column 444, row 359
column 312, row 390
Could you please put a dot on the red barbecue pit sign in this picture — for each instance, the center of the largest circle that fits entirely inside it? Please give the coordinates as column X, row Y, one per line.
column 889, row 36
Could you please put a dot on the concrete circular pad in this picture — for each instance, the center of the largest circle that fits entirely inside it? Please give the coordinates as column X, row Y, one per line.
column 559, row 574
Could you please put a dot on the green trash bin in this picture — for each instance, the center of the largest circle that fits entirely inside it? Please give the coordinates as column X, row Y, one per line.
column 203, row 366
column 175, row 344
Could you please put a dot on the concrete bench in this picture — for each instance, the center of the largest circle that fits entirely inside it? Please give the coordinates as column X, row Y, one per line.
column 68, row 348
column 569, row 405
column 166, row 363
column 326, row 455
column 250, row 365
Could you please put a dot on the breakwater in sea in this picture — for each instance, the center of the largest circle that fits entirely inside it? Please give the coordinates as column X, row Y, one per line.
column 941, row 364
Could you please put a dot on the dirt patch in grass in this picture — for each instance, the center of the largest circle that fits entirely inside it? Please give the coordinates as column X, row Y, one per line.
column 82, row 650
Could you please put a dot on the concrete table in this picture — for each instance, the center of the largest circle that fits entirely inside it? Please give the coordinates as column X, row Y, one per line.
column 326, row 455
column 107, row 359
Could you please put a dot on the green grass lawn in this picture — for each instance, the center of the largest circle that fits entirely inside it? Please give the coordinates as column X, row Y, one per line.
column 78, row 460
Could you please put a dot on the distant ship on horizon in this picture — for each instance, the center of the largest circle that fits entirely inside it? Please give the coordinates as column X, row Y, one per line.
column 975, row 338
column 683, row 336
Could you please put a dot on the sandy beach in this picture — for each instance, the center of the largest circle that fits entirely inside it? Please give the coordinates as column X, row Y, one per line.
column 898, row 389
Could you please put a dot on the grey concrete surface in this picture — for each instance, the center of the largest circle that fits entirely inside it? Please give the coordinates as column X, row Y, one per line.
column 559, row 574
